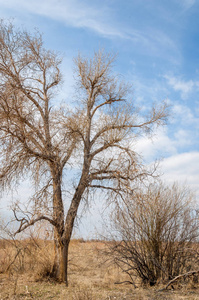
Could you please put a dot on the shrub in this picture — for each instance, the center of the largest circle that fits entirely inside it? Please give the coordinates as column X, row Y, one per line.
column 156, row 233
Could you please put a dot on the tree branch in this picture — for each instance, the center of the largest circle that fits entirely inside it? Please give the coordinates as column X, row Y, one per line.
column 178, row 277
column 24, row 223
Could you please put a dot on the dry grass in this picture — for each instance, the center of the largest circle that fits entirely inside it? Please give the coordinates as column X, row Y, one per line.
column 90, row 275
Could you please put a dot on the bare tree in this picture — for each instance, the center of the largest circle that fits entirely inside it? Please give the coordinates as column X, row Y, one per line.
column 39, row 139
column 156, row 233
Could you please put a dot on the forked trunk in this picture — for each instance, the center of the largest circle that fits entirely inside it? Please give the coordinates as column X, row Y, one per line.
column 62, row 233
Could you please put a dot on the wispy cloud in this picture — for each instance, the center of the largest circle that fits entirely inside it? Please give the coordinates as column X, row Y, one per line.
column 182, row 86
column 102, row 19
column 184, row 116
column 72, row 13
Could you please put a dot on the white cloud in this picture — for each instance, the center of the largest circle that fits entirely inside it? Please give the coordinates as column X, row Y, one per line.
column 184, row 87
column 157, row 147
column 182, row 168
column 184, row 116
column 161, row 145
column 182, row 138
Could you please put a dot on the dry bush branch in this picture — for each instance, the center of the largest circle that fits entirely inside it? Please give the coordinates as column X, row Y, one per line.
column 190, row 273
column 156, row 234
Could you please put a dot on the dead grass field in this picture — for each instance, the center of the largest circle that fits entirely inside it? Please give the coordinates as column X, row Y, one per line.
column 24, row 269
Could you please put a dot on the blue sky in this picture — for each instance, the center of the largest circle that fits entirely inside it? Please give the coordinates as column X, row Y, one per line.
column 157, row 43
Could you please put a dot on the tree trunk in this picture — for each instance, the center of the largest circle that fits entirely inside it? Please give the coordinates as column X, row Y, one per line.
column 65, row 261
column 69, row 222
column 60, row 267
column 62, row 233
column 60, row 248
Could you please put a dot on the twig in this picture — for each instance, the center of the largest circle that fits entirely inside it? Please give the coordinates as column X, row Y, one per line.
column 126, row 281
column 18, row 251
column 177, row 277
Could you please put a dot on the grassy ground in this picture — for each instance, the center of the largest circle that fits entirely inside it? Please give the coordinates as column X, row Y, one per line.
column 90, row 276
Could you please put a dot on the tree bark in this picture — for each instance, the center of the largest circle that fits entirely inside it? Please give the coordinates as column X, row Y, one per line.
column 60, row 267
column 62, row 233
column 58, row 217
column 69, row 222
column 65, row 261
column 57, row 271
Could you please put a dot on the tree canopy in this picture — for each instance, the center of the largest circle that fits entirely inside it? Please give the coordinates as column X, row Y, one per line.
column 39, row 138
